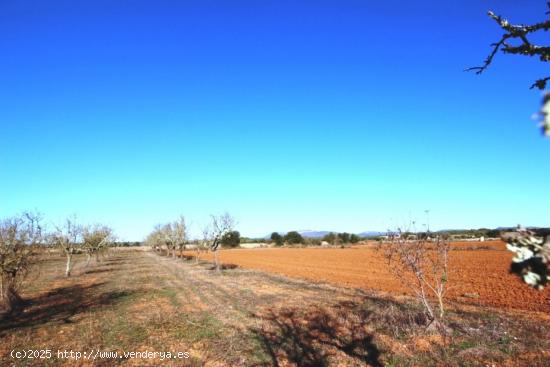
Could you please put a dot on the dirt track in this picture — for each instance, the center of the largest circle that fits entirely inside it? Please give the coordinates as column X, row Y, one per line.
column 477, row 276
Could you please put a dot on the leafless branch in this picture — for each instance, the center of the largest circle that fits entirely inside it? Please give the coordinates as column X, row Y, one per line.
column 526, row 48
column 420, row 264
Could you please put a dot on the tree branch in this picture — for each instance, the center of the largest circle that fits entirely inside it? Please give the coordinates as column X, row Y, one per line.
column 489, row 59
column 526, row 48
column 540, row 83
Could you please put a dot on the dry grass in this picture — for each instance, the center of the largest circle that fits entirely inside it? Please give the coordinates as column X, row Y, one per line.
column 139, row 301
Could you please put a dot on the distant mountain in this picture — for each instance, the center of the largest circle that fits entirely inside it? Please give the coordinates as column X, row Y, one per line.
column 313, row 234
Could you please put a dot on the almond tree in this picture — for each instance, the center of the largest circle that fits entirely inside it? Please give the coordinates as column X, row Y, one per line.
column 19, row 238
column 421, row 264
column 168, row 240
column 179, row 234
column 96, row 239
column 202, row 244
column 68, row 239
column 219, row 227
column 172, row 235
column 154, row 239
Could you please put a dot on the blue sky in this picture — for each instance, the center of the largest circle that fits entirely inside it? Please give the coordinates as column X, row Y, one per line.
column 334, row 115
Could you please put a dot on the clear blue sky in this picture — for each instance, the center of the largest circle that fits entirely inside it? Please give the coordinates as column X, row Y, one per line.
column 333, row 115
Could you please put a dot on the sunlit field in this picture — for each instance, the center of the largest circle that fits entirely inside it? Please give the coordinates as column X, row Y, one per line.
column 138, row 300
column 245, row 183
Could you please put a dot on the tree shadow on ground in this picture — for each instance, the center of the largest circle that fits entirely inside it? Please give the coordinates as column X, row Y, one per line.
column 318, row 336
column 113, row 261
column 59, row 306
column 98, row 271
column 186, row 257
column 224, row 267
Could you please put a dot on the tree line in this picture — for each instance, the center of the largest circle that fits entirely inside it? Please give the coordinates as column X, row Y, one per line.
column 171, row 237
column 295, row 238
column 24, row 237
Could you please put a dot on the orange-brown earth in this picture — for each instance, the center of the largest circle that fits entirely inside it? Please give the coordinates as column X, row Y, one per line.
column 479, row 272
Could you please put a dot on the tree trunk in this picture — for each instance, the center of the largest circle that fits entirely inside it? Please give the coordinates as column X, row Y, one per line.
column 88, row 258
column 441, row 306
column 174, row 253
column 12, row 299
column 217, row 261
column 68, row 267
column 424, row 299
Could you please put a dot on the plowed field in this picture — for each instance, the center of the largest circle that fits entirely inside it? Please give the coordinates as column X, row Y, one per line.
column 478, row 272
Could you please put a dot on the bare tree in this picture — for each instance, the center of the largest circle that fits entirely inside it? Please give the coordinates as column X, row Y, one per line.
column 96, row 240
column 19, row 238
column 516, row 40
column 154, row 239
column 171, row 235
column 174, row 236
column 179, row 234
column 168, row 240
column 67, row 237
column 220, row 225
column 421, row 264
column 203, row 243
column 48, row 245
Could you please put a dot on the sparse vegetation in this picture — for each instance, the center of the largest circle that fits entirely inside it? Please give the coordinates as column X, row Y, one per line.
column 421, row 264
column 264, row 319
column 135, row 301
column 294, row 115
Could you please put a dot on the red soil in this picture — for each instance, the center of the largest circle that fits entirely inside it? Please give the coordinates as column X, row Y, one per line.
column 477, row 276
